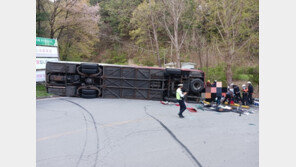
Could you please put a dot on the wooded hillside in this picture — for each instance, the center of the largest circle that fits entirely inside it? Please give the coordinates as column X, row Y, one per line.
column 214, row 34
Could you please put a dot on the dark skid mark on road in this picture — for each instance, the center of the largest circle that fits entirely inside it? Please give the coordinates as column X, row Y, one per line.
column 174, row 137
column 85, row 141
column 96, row 129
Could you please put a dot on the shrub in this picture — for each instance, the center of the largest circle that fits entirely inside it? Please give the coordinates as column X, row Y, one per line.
column 114, row 57
column 239, row 73
column 216, row 73
column 147, row 62
column 243, row 77
column 246, row 74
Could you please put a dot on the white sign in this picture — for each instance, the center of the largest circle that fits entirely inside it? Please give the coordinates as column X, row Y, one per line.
column 45, row 51
column 45, row 54
column 41, row 62
column 40, row 76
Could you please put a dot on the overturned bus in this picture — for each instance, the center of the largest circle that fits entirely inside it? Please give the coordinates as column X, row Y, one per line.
column 92, row 80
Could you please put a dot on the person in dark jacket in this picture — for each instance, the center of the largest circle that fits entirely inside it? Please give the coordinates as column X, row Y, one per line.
column 245, row 100
column 236, row 91
column 213, row 95
column 229, row 96
column 208, row 90
column 214, row 84
column 208, row 83
column 250, row 92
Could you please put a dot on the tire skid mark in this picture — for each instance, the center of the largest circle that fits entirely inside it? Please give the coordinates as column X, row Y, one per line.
column 85, row 141
column 95, row 125
column 176, row 139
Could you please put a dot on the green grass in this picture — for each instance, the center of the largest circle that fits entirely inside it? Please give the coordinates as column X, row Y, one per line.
column 41, row 91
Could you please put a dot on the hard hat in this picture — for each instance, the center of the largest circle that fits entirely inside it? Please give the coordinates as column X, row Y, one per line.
column 243, row 85
column 231, row 84
column 249, row 82
column 180, row 85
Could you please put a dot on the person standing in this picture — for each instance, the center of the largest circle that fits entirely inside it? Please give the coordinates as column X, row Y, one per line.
column 245, row 100
column 250, row 91
column 208, row 91
column 219, row 97
column 209, row 83
column 218, row 92
column 180, row 97
column 214, row 93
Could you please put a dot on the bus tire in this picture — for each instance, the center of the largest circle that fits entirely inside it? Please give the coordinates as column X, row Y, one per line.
column 196, row 85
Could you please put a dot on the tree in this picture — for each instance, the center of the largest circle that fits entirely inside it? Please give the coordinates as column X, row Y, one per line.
column 154, row 28
column 75, row 24
column 59, row 11
column 41, row 18
column 117, row 14
column 79, row 31
column 234, row 27
column 152, row 31
column 146, row 26
column 171, row 16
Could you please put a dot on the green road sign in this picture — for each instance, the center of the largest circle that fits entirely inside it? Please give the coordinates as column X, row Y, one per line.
column 46, row 42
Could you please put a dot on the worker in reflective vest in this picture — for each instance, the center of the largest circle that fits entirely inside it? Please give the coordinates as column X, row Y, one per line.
column 180, row 97
column 245, row 95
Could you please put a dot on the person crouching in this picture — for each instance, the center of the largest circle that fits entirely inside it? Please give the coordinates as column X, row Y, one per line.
column 180, row 97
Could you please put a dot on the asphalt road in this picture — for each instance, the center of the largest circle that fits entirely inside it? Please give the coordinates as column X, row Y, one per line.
column 137, row 133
